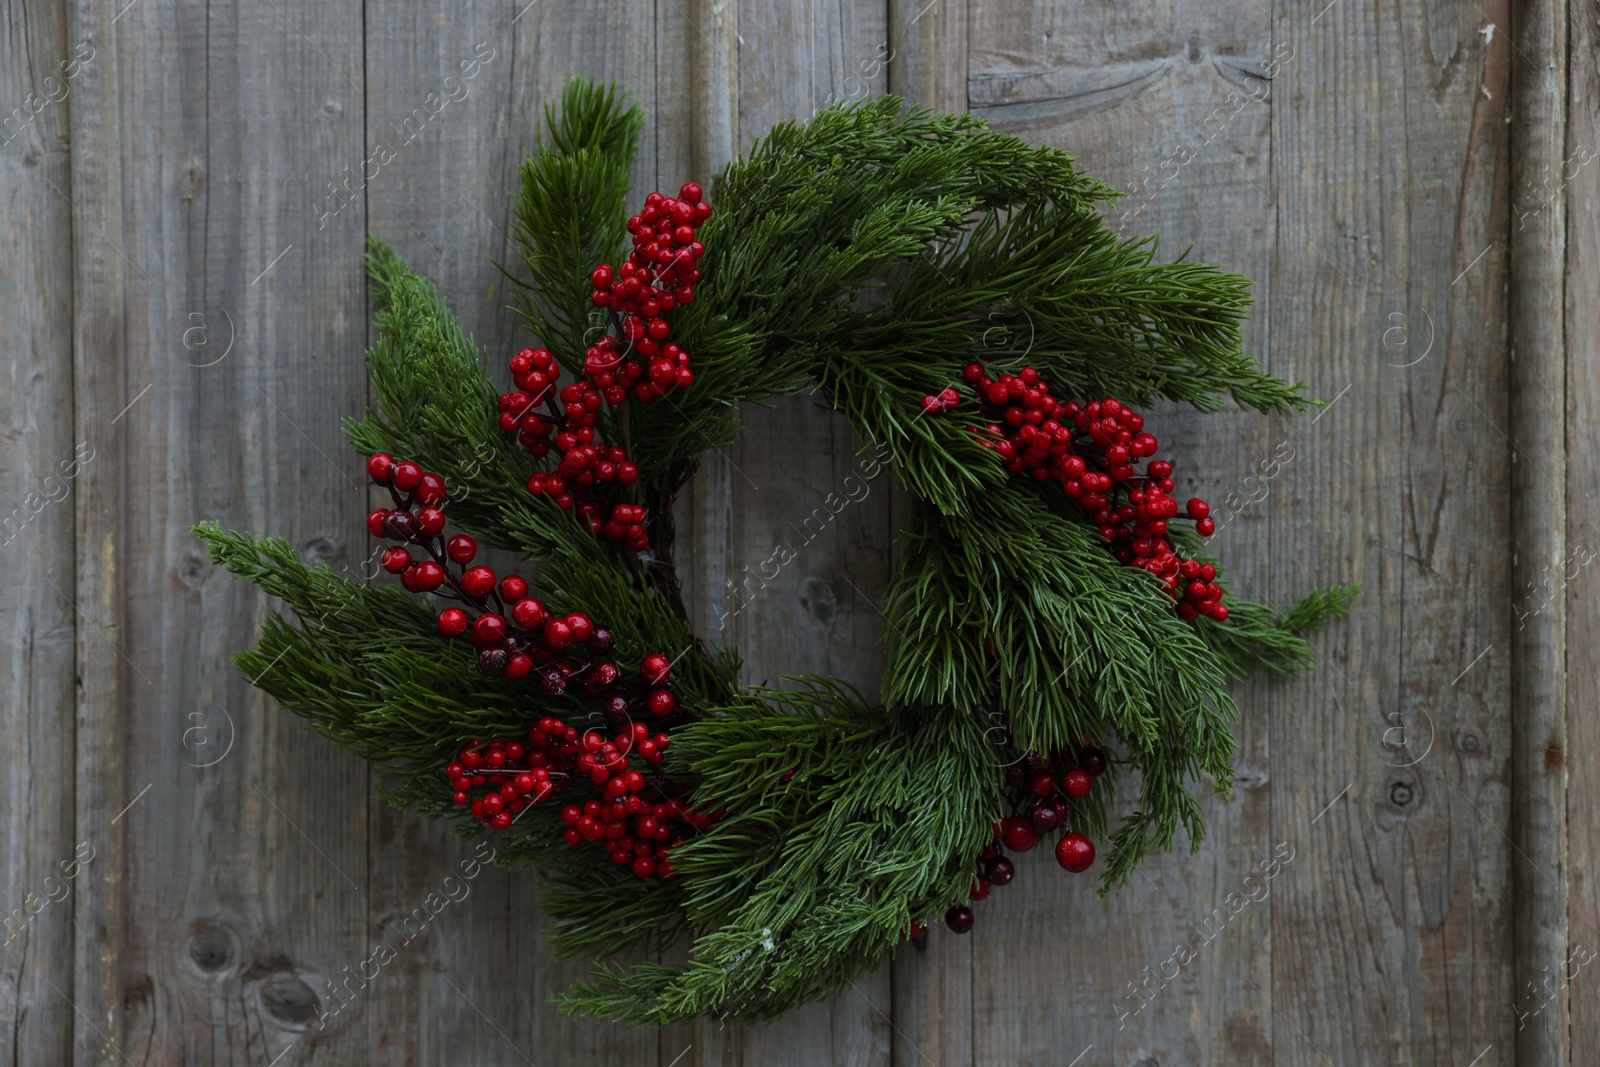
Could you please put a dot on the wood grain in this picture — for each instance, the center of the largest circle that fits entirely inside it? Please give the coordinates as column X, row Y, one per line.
column 38, row 464
column 1537, row 340
column 1389, row 944
column 1576, row 577
column 235, row 890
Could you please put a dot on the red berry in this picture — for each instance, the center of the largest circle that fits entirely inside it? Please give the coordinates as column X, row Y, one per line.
column 1077, row 782
column 1075, row 852
column 581, row 626
column 452, row 622
column 529, row 613
column 662, row 702
column 655, row 668
column 513, row 588
column 429, row 520
column 407, row 476
column 375, row 522
column 1197, row 508
column 557, row 634
column 959, row 918
column 461, row 549
column 477, row 581
column 395, row 559
column 1043, row 783
column 380, row 468
column 1019, row 834
column 431, row 490
column 427, row 576
column 488, row 630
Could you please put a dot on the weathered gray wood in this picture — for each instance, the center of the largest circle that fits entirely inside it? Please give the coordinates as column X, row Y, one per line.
column 234, row 892
column 1537, row 342
column 1387, row 942
column 39, row 72
column 1575, row 579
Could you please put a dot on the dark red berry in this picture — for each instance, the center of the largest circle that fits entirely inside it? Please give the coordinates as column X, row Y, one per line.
column 1077, row 782
column 1019, row 834
column 461, row 549
column 959, row 918
column 1000, row 871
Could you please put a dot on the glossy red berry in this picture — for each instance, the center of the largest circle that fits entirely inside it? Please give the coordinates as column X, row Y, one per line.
column 1043, row 783
column 428, row 576
column 655, row 668
column 430, row 521
column 380, row 468
column 477, row 581
column 407, row 476
column 452, row 622
column 1019, row 834
column 513, row 588
column 461, row 549
column 488, row 629
column 431, row 490
column 395, row 559
column 662, row 702
column 959, row 919
column 1077, row 782
column 528, row 613
column 1075, row 852
column 557, row 634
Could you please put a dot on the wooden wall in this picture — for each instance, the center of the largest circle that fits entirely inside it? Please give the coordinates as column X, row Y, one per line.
column 185, row 196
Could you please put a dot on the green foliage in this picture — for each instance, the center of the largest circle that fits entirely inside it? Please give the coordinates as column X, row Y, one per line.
column 866, row 255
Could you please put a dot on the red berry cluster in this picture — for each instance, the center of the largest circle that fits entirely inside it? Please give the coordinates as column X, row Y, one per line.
column 1057, row 781
column 635, row 816
column 1092, row 451
column 658, row 275
column 587, row 469
column 516, row 635
column 638, row 361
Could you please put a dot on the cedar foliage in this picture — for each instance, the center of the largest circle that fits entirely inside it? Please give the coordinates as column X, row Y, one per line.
column 971, row 244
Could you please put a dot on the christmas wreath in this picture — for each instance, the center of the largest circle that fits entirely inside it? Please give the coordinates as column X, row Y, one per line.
column 1053, row 619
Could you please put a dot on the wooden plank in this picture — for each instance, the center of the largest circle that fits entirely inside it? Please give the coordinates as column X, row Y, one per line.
column 1388, row 943
column 1153, row 972
column 1576, row 576
column 236, row 887
column 1537, row 334
column 478, row 987
column 39, row 463
column 101, row 270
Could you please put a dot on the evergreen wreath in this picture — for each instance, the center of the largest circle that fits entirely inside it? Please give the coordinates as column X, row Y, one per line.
column 1051, row 625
